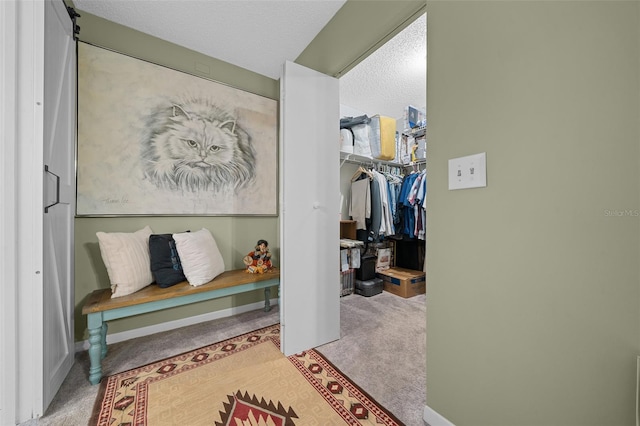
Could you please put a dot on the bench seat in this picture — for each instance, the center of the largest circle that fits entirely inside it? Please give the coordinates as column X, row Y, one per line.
column 100, row 307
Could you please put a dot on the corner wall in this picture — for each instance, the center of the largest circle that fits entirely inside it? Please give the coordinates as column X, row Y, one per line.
column 235, row 236
column 533, row 282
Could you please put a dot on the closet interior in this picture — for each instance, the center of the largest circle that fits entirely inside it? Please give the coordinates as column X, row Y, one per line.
column 383, row 150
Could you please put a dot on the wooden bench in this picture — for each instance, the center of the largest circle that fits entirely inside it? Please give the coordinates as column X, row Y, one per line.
column 100, row 307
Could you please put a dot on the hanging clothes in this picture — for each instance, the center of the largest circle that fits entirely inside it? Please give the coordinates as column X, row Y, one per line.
column 386, row 225
column 360, row 205
column 360, row 198
column 406, row 208
column 374, row 203
column 376, row 212
column 421, row 199
column 394, row 182
column 412, row 205
column 416, row 206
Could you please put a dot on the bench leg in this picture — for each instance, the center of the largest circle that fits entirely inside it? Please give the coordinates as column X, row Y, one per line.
column 95, row 326
column 267, row 299
column 103, row 335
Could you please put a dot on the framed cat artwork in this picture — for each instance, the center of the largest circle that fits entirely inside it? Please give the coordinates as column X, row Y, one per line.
column 156, row 141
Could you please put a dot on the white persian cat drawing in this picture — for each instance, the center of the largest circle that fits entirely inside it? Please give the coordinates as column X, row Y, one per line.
column 196, row 146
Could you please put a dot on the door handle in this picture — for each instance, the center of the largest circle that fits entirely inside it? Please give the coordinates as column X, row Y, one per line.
column 46, row 169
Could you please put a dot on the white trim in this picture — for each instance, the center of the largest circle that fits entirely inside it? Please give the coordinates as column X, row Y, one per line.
column 8, row 214
column 29, row 111
column 171, row 325
column 638, row 391
column 433, row 418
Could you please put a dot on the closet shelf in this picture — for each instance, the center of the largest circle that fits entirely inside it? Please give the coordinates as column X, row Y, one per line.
column 345, row 157
column 416, row 133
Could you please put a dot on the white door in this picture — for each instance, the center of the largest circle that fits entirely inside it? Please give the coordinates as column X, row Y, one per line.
column 59, row 194
column 309, row 208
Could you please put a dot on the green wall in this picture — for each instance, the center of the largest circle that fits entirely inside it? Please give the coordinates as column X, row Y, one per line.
column 533, row 281
column 235, row 236
column 356, row 31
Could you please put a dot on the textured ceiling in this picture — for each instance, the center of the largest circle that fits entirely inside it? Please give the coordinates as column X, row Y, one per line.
column 260, row 35
column 391, row 78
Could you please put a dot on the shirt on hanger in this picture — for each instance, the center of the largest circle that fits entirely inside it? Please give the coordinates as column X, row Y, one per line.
column 360, row 206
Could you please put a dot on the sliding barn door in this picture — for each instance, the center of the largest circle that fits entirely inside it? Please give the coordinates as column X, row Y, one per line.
column 45, row 194
column 59, row 195
column 309, row 208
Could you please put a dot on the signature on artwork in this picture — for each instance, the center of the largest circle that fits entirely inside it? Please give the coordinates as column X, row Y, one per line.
column 117, row 200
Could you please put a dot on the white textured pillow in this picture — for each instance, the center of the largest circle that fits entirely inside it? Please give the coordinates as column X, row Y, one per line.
column 126, row 256
column 201, row 260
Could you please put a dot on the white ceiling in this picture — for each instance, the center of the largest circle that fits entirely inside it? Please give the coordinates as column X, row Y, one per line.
column 259, row 35
column 391, row 78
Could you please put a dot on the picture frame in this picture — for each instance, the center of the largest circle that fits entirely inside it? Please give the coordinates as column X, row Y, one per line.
column 156, row 141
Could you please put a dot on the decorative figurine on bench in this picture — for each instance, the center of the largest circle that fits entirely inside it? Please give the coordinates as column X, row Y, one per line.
column 259, row 260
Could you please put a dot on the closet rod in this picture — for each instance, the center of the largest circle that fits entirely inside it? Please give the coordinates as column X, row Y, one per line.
column 358, row 159
column 372, row 163
column 416, row 164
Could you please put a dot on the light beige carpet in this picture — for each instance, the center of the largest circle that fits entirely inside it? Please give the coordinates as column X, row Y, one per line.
column 242, row 381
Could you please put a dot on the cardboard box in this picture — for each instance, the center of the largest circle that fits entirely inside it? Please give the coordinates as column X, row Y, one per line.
column 348, row 229
column 403, row 282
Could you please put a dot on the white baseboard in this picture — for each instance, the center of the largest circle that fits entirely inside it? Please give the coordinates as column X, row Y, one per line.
column 638, row 391
column 433, row 418
column 171, row 325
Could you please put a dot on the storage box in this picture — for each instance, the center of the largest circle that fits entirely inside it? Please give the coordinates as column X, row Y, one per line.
column 382, row 137
column 415, row 116
column 370, row 287
column 403, row 282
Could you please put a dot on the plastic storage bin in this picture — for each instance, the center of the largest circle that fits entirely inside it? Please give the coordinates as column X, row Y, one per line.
column 370, row 287
column 367, row 269
column 382, row 137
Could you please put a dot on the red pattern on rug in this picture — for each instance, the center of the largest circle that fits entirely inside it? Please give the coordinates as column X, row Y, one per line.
column 355, row 404
column 123, row 399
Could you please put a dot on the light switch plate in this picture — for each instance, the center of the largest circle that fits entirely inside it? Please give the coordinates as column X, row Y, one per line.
column 468, row 172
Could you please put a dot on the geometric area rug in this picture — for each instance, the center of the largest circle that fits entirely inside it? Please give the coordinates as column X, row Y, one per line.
column 242, row 381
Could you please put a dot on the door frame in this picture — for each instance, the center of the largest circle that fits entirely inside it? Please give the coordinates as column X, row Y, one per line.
column 28, row 186
column 8, row 214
